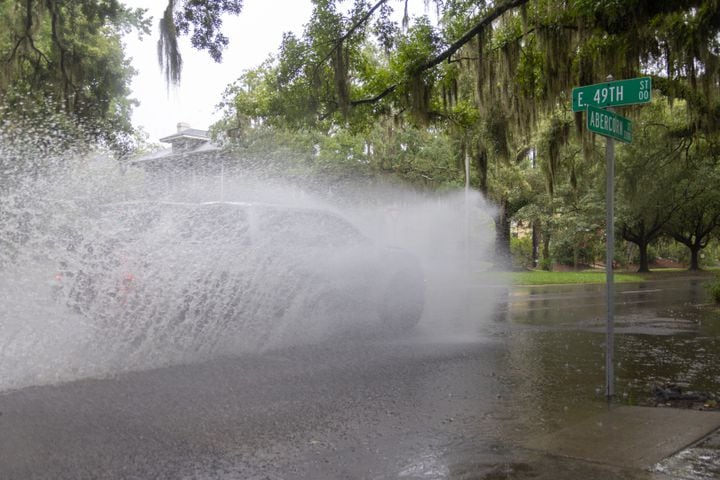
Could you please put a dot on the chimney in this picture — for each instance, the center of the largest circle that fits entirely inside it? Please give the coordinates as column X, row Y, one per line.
column 182, row 126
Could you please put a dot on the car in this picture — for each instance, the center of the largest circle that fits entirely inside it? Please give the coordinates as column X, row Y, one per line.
column 235, row 276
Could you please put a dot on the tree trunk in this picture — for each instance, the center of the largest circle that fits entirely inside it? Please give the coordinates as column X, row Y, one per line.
column 535, row 245
column 502, row 238
column 481, row 160
column 576, row 255
column 694, row 257
column 547, row 265
column 644, row 264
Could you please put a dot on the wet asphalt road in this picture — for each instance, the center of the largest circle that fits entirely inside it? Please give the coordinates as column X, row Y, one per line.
column 455, row 400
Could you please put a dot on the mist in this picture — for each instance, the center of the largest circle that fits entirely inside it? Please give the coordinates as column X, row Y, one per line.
column 220, row 294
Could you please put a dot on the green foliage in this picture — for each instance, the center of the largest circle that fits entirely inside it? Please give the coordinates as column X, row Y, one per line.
column 465, row 114
column 421, row 157
column 649, row 173
column 531, row 71
column 711, row 256
column 698, row 211
column 666, row 248
column 202, row 19
column 413, row 156
column 713, row 289
column 526, row 60
column 65, row 59
column 579, row 250
column 426, row 98
column 521, row 251
column 420, row 43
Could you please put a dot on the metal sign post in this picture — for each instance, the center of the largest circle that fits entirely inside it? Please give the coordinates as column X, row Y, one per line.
column 593, row 99
column 609, row 260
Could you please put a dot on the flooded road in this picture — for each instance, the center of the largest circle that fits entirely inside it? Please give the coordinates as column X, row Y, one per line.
column 457, row 400
column 666, row 332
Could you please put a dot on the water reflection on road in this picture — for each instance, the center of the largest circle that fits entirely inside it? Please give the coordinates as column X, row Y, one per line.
column 665, row 332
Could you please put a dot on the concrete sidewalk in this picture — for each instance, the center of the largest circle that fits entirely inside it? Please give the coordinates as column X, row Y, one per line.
column 644, row 438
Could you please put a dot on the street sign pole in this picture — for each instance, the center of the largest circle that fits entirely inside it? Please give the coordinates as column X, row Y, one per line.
column 597, row 101
column 609, row 260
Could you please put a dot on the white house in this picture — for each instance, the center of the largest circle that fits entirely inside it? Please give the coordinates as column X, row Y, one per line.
column 191, row 160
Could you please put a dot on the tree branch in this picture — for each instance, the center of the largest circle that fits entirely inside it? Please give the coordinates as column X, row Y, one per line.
column 27, row 36
column 337, row 43
column 479, row 27
column 454, row 47
column 67, row 80
column 358, row 24
column 376, row 98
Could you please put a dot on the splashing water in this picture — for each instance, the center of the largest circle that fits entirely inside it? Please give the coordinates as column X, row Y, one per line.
column 100, row 275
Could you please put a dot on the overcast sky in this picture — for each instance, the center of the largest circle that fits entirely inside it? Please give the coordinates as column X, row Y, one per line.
column 254, row 34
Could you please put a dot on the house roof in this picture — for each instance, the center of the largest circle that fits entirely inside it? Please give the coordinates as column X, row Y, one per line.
column 168, row 153
column 165, row 152
column 202, row 145
column 193, row 133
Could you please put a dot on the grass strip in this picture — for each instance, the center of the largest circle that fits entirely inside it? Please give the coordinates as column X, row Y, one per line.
column 541, row 277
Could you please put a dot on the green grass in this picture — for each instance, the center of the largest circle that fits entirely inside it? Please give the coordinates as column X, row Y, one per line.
column 541, row 277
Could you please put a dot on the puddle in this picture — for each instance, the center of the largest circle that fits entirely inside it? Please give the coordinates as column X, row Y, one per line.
column 692, row 464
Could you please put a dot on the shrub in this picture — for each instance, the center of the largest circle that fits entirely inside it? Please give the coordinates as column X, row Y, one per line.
column 713, row 288
column 568, row 250
column 521, row 250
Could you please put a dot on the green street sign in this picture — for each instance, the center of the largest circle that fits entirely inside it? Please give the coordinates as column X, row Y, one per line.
column 611, row 94
column 609, row 124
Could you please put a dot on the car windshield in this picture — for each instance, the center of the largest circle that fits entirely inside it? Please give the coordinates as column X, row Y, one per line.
column 126, row 221
column 307, row 227
column 212, row 224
